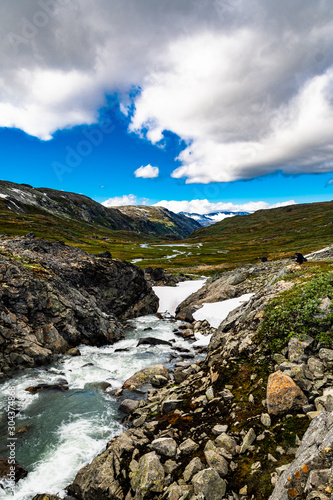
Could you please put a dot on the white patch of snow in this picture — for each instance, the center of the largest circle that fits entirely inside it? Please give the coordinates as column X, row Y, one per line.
column 3, row 195
column 202, row 340
column 13, row 203
column 142, row 210
column 18, row 191
column 318, row 251
column 216, row 312
column 171, row 296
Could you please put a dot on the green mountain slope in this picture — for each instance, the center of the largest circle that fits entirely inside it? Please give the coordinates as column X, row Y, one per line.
column 158, row 220
column 273, row 233
column 137, row 233
column 240, row 240
column 78, row 219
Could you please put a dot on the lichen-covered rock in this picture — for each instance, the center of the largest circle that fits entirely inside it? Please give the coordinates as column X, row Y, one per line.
column 226, row 442
column 316, row 367
column 188, row 446
column 314, row 454
column 297, row 347
column 102, row 478
column 217, row 462
column 148, row 477
column 192, row 468
column 145, row 376
column 165, row 446
column 209, row 483
column 326, row 355
column 249, row 438
column 283, row 394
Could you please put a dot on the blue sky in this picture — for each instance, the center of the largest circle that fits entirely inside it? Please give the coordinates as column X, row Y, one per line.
column 108, row 171
column 217, row 105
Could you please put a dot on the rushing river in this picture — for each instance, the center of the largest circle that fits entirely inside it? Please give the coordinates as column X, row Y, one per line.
column 65, row 430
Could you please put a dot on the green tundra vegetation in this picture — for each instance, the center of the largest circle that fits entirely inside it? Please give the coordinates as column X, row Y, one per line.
column 301, row 311
column 156, row 236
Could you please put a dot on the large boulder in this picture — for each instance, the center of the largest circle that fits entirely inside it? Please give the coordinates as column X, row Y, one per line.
column 128, row 406
column 153, row 341
column 148, row 477
column 165, row 446
column 102, row 479
column 209, row 484
column 145, row 376
column 283, row 394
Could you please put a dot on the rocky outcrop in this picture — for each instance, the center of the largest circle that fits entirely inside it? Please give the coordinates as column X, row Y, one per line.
column 231, row 284
column 310, row 475
column 235, row 334
column 211, row 433
column 54, row 297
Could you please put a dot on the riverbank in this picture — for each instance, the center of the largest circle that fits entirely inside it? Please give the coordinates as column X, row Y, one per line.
column 234, row 425
column 221, row 425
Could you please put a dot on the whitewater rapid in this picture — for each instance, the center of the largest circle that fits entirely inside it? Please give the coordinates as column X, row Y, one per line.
column 66, row 430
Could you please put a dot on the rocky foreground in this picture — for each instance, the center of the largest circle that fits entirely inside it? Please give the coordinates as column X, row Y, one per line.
column 54, row 297
column 254, row 420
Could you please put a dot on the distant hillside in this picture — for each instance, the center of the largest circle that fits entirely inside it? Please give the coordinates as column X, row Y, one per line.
column 273, row 233
column 69, row 216
column 160, row 220
column 212, row 217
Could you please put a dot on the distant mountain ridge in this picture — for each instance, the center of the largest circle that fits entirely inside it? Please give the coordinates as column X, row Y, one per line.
column 212, row 217
column 75, row 210
column 147, row 217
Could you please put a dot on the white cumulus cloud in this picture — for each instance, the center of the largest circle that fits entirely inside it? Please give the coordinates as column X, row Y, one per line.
column 147, row 172
column 120, row 201
column 247, row 84
column 205, row 206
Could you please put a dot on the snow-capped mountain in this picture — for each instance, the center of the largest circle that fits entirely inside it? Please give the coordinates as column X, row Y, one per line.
column 211, row 218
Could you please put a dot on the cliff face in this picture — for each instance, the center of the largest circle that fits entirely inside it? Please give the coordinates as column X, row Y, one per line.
column 54, row 297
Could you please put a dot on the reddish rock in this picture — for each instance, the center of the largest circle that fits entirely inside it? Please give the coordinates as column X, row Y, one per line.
column 283, row 394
